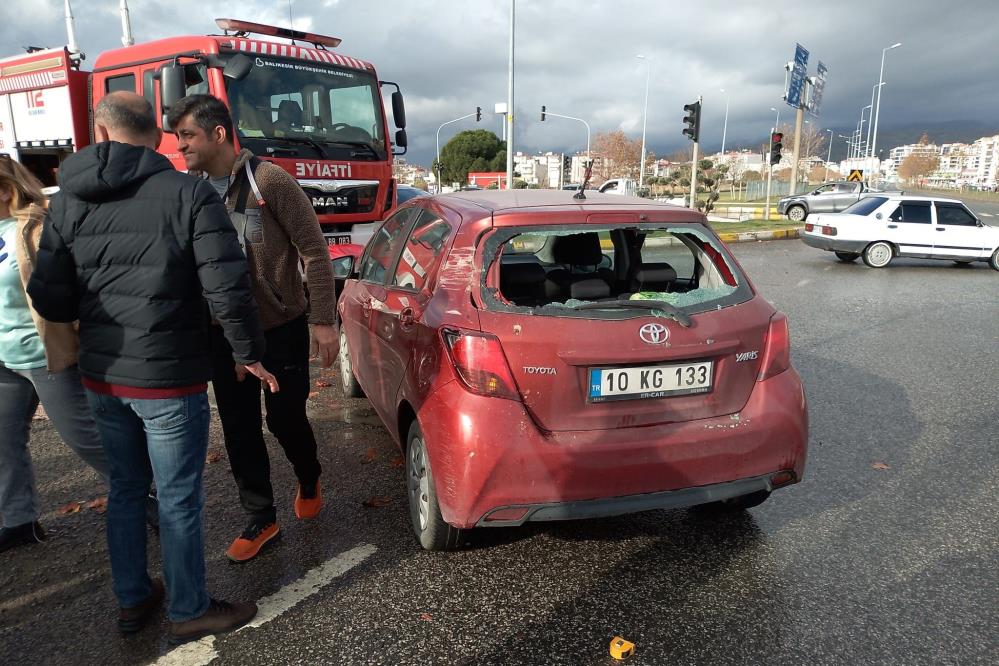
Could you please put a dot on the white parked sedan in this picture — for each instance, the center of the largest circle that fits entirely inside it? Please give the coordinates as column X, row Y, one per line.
column 880, row 228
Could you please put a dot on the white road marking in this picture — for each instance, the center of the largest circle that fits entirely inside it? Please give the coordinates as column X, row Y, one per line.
column 986, row 214
column 203, row 652
column 49, row 590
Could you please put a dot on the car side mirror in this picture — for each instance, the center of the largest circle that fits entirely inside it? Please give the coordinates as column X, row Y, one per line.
column 879, row 216
column 398, row 110
column 343, row 267
column 402, row 141
column 173, row 87
column 237, row 67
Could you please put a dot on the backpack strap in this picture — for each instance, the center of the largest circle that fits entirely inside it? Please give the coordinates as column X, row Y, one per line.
column 249, row 182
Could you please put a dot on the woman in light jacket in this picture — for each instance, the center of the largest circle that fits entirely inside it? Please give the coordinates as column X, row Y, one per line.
column 37, row 363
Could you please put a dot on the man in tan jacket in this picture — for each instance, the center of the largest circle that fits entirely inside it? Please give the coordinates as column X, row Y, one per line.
column 279, row 231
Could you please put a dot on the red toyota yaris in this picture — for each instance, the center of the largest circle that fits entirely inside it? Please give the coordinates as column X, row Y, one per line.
column 541, row 357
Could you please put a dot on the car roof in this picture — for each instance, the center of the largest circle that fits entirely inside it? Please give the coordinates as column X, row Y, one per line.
column 499, row 201
column 895, row 195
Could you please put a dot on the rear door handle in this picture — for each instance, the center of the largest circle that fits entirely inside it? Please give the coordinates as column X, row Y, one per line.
column 893, row 226
column 941, row 229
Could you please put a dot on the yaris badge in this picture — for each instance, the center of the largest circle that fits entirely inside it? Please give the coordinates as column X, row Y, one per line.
column 654, row 334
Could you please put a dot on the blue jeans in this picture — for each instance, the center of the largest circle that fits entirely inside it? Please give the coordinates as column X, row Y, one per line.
column 166, row 440
column 61, row 394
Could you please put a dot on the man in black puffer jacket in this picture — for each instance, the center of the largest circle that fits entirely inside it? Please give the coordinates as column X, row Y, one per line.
column 133, row 249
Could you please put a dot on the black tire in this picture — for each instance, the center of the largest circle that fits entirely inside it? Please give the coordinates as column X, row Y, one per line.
column 878, row 254
column 797, row 213
column 847, row 256
column 424, row 511
column 348, row 381
column 994, row 260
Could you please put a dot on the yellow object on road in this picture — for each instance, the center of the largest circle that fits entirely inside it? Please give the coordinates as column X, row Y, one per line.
column 620, row 648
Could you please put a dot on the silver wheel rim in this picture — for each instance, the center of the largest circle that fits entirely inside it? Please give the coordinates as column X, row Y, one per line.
column 345, row 370
column 879, row 254
column 419, row 483
column 797, row 214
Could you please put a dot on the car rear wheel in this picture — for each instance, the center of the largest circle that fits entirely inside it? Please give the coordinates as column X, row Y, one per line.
column 424, row 511
column 879, row 254
column 796, row 213
column 847, row 256
column 994, row 261
column 351, row 388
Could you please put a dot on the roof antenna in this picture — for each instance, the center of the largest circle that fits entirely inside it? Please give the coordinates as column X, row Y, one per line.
column 291, row 20
column 72, row 46
column 581, row 193
column 126, row 25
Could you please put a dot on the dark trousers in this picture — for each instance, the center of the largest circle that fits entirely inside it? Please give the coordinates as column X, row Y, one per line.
column 287, row 357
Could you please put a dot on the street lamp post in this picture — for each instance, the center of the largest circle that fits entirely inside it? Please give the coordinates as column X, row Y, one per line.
column 776, row 122
column 828, row 156
column 440, row 172
column 881, row 82
column 509, row 106
column 725, row 126
column 559, row 115
column 861, row 148
column 645, row 116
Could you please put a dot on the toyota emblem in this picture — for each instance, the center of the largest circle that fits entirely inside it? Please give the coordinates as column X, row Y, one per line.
column 654, row 334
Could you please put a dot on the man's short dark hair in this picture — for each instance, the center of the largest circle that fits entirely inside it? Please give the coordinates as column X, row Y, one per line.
column 128, row 113
column 206, row 111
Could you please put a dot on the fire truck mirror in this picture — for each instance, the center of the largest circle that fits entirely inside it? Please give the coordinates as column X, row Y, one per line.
column 173, row 87
column 399, row 112
column 401, row 139
column 237, row 67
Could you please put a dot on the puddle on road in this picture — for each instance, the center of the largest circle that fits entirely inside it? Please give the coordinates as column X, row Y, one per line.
column 349, row 414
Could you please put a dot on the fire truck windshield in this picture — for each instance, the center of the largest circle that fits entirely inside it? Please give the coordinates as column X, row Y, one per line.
column 302, row 107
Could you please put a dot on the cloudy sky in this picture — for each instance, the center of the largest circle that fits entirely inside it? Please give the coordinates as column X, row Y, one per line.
column 578, row 58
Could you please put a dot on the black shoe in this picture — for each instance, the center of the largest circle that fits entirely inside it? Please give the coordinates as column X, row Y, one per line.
column 220, row 618
column 153, row 512
column 130, row 620
column 20, row 535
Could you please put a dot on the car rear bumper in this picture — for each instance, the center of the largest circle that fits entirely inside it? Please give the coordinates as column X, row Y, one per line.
column 496, row 468
column 833, row 244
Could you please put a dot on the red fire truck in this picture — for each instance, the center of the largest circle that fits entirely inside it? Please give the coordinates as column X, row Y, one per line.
column 313, row 111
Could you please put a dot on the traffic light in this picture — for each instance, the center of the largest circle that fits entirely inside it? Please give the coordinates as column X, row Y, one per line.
column 776, row 144
column 543, row 113
column 478, row 113
column 693, row 121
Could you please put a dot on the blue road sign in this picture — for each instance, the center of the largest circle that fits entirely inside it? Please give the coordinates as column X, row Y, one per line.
column 817, row 90
column 796, row 86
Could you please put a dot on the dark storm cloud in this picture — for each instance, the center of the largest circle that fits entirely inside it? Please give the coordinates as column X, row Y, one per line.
column 578, row 58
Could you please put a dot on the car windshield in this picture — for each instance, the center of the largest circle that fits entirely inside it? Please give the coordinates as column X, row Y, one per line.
column 311, row 108
column 613, row 272
column 866, row 206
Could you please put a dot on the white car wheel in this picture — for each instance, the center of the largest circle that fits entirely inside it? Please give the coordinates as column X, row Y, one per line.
column 796, row 213
column 351, row 388
column 879, row 254
column 994, row 261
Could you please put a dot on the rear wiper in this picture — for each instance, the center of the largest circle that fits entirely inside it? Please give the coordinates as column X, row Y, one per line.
column 356, row 144
column 667, row 309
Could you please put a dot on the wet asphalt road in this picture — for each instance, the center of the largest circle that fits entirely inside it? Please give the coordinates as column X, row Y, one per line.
column 887, row 552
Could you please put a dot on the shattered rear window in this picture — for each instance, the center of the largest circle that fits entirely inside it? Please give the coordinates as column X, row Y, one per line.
column 555, row 270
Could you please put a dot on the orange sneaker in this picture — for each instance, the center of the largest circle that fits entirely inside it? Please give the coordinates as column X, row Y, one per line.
column 249, row 544
column 308, row 501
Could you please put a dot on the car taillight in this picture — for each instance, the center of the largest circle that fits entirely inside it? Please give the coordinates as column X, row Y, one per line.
column 481, row 363
column 809, row 226
column 828, row 231
column 777, row 351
